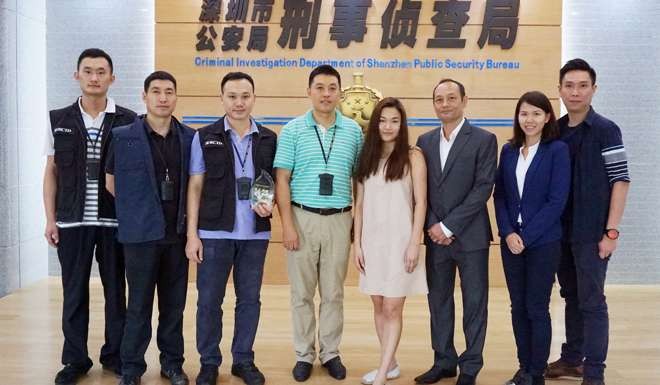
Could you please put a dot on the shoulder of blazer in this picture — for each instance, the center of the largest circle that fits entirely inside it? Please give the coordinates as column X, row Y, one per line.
column 428, row 135
column 508, row 149
column 479, row 132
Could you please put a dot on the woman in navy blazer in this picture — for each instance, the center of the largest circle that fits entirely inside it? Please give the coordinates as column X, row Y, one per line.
column 531, row 190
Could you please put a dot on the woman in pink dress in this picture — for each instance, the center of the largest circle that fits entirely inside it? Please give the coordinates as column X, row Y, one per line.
column 389, row 217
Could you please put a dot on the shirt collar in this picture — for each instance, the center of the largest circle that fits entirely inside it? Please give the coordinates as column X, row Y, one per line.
column 253, row 126
column 589, row 119
column 531, row 149
column 110, row 106
column 454, row 133
column 151, row 131
column 309, row 119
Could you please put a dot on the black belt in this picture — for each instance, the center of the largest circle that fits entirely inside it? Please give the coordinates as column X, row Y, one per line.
column 315, row 210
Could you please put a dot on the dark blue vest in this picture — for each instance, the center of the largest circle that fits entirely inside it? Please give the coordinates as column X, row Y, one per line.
column 137, row 200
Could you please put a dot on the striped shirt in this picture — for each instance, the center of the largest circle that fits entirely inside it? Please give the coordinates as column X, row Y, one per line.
column 299, row 150
column 93, row 127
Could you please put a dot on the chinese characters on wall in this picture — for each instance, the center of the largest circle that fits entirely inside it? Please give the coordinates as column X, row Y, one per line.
column 248, row 25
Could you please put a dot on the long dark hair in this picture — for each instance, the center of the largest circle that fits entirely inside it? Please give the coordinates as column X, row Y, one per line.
column 550, row 129
column 399, row 159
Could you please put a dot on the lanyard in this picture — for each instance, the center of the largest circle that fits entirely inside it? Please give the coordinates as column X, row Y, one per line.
column 94, row 142
column 243, row 160
column 332, row 142
column 158, row 146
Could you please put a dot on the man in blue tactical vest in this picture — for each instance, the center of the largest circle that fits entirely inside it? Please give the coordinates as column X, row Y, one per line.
column 80, row 214
column 147, row 172
column 225, row 230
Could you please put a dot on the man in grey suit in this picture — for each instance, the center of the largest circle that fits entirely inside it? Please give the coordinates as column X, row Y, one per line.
column 461, row 161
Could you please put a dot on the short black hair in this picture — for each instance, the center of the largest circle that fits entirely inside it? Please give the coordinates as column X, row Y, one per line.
column 324, row 69
column 577, row 65
column 461, row 87
column 235, row 76
column 94, row 53
column 158, row 75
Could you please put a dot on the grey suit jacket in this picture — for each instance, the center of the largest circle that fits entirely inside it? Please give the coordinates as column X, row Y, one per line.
column 458, row 193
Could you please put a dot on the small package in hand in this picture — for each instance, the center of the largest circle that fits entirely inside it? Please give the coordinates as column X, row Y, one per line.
column 263, row 190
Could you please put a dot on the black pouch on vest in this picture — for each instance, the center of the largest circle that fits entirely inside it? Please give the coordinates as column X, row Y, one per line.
column 93, row 167
column 325, row 184
column 243, row 185
column 167, row 190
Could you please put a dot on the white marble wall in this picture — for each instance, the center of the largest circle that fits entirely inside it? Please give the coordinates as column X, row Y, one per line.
column 621, row 41
column 22, row 124
column 123, row 28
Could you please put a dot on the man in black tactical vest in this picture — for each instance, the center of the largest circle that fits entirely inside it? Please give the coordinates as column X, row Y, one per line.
column 80, row 214
column 226, row 231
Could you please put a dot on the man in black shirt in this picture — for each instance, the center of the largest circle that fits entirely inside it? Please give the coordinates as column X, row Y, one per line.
column 590, row 222
column 147, row 173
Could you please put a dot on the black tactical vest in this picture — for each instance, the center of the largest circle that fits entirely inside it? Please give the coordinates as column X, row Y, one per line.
column 70, row 141
column 217, row 210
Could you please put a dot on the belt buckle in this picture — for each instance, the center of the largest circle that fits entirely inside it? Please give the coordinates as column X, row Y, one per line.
column 323, row 211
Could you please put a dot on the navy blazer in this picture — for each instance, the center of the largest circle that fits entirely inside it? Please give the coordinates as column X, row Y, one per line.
column 545, row 192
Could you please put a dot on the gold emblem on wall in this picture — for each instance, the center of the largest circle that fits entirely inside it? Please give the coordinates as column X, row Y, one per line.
column 358, row 101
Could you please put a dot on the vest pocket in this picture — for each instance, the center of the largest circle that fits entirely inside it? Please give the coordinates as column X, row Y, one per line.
column 215, row 169
column 66, row 173
column 210, row 208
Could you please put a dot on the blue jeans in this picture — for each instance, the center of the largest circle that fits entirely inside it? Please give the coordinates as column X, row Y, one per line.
column 529, row 278
column 247, row 259
column 581, row 276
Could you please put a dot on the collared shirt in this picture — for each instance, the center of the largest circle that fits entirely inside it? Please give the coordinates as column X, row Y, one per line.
column 445, row 147
column 93, row 127
column 521, row 169
column 299, row 151
column 598, row 160
column 244, row 224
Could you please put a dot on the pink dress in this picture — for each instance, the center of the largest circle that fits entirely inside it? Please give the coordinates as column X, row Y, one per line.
column 387, row 220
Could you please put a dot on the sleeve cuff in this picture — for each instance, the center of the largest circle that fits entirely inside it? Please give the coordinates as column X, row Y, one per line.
column 448, row 233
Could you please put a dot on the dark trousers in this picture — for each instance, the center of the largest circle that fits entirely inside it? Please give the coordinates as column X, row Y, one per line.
column 581, row 277
column 148, row 267
column 247, row 259
column 75, row 252
column 529, row 278
column 441, row 264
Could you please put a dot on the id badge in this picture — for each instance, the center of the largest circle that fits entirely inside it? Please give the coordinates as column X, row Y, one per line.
column 325, row 184
column 243, row 185
column 93, row 167
column 167, row 190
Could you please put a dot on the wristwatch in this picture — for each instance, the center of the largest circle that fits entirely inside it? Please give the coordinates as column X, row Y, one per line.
column 612, row 234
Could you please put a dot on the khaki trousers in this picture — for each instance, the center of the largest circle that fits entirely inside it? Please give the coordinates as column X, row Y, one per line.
column 321, row 258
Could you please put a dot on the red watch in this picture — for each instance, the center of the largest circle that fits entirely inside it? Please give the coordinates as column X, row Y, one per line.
column 612, row 234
